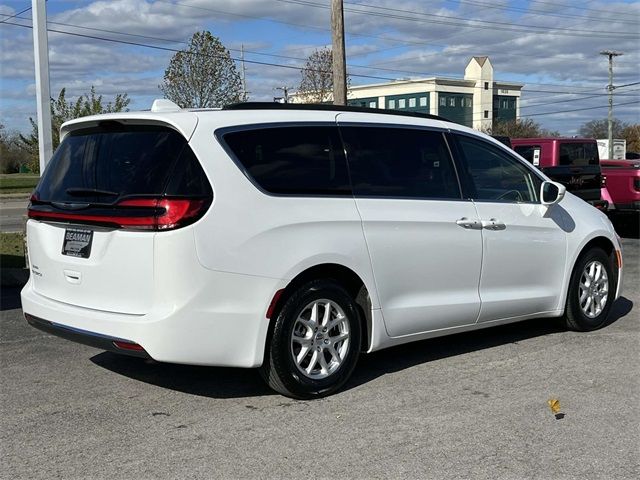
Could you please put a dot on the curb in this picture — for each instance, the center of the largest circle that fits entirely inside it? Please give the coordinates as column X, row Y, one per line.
column 15, row 196
column 13, row 277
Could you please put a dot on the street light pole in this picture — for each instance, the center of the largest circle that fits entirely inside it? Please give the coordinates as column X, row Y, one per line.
column 610, row 88
column 43, row 94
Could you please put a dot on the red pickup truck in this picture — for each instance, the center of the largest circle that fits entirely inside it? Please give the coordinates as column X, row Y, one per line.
column 623, row 184
column 570, row 161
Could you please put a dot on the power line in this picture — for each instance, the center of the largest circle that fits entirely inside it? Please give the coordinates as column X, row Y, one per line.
column 288, row 57
column 461, row 22
column 579, row 109
column 14, row 15
column 167, row 49
column 546, row 13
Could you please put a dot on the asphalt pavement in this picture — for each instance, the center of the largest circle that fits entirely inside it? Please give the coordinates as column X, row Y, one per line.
column 466, row 406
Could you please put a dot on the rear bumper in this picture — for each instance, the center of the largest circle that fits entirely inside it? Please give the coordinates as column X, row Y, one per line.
column 219, row 320
column 627, row 207
column 96, row 340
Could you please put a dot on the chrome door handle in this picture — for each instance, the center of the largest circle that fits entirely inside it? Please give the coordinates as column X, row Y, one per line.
column 469, row 224
column 493, row 224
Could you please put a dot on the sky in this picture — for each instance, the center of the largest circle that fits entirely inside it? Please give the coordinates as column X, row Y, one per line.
column 124, row 46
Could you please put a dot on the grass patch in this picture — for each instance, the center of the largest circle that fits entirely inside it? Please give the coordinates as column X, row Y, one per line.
column 18, row 182
column 11, row 250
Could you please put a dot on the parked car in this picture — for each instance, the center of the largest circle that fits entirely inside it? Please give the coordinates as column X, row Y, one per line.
column 294, row 237
column 574, row 162
column 623, row 184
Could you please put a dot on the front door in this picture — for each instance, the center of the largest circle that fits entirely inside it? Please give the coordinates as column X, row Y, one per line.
column 423, row 239
column 524, row 244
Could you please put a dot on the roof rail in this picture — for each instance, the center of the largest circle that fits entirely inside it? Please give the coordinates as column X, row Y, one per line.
column 325, row 107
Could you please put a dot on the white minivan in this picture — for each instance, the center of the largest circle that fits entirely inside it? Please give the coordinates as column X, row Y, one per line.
column 294, row 237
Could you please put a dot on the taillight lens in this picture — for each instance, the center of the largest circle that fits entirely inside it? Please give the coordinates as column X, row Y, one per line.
column 134, row 213
column 603, row 181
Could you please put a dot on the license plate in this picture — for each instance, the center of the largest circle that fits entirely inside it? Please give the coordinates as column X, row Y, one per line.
column 77, row 242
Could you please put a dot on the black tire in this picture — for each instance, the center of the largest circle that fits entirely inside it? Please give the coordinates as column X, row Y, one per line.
column 280, row 369
column 575, row 318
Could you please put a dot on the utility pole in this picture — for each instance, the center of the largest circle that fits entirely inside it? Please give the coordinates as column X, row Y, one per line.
column 610, row 88
column 43, row 94
column 339, row 60
column 244, row 73
column 285, row 93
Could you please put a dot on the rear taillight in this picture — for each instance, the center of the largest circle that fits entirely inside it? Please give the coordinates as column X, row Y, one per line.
column 603, row 181
column 134, row 213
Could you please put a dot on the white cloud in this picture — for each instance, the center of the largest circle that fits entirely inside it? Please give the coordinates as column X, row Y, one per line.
column 430, row 46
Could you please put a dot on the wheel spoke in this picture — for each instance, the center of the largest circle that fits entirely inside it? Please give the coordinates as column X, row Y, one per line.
column 324, row 367
column 334, row 353
column 583, row 295
column 335, row 322
column 303, row 353
column 312, row 363
column 327, row 314
column 339, row 338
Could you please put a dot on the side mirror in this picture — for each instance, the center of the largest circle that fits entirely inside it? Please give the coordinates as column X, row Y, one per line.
column 551, row 193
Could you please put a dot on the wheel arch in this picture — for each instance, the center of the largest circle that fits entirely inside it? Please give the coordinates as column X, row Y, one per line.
column 599, row 241
column 347, row 278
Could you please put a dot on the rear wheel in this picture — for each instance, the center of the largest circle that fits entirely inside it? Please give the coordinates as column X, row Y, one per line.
column 315, row 342
column 591, row 291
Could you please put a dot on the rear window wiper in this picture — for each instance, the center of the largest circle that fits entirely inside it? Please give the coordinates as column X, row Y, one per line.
column 86, row 192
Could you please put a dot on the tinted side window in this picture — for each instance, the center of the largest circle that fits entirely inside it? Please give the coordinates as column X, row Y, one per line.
column 292, row 160
column 495, row 175
column 399, row 162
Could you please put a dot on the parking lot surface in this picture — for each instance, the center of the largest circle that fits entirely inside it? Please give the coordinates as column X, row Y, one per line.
column 467, row 406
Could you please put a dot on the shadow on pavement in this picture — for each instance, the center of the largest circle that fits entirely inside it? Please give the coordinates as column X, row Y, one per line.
column 214, row 382
column 411, row 354
column 10, row 298
column 218, row 382
column 627, row 225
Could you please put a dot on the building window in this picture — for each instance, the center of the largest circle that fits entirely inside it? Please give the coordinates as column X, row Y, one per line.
column 486, row 114
column 423, row 101
column 452, row 101
column 373, row 104
column 505, row 104
column 412, row 103
column 468, row 103
column 486, row 85
column 392, row 104
column 443, row 101
column 402, row 103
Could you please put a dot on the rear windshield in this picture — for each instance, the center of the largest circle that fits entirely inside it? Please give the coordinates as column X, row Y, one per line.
column 579, row 153
column 104, row 164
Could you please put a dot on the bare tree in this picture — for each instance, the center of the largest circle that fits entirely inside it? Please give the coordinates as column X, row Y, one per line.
column 526, row 128
column 600, row 128
column 316, row 85
column 202, row 76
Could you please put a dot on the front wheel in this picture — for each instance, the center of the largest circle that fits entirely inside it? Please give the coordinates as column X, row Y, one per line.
column 315, row 342
column 591, row 291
